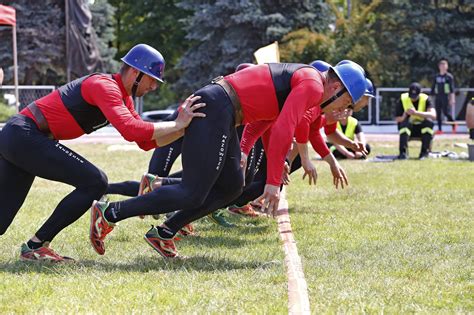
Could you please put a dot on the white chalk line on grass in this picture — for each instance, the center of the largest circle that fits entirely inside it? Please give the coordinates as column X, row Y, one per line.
column 298, row 299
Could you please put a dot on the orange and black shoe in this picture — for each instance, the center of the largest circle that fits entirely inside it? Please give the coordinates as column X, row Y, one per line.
column 246, row 210
column 164, row 246
column 43, row 254
column 99, row 227
column 146, row 184
column 187, row 230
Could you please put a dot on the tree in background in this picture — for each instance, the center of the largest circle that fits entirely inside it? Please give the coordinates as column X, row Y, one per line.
column 41, row 42
column 305, row 46
column 414, row 36
column 349, row 36
column 156, row 23
column 103, row 20
column 225, row 33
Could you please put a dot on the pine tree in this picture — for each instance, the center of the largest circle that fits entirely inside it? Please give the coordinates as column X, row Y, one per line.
column 41, row 42
column 225, row 33
column 103, row 22
column 41, row 37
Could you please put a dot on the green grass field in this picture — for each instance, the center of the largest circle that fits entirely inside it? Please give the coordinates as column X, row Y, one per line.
column 399, row 239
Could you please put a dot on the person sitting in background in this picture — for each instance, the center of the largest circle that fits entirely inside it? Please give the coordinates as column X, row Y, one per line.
column 415, row 115
column 351, row 128
column 470, row 118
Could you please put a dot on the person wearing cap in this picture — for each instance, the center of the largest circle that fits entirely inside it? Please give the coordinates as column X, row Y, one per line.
column 29, row 144
column 274, row 95
column 443, row 92
column 415, row 115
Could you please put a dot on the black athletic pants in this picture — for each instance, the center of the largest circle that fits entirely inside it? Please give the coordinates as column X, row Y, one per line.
column 423, row 130
column 211, row 168
column 26, row 152
column 255, row 188
column 160, row 164
column 442, row 106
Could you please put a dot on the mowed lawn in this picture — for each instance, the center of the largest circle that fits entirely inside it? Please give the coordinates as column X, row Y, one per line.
column 399, row 239
column 229, row 271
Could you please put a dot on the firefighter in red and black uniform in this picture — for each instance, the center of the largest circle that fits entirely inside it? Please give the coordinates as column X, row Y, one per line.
column 29, row 145
column 261, row 96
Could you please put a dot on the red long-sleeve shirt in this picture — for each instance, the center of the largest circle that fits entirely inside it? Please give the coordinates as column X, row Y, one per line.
column 257, row 95
column 110, row 96
column 310, row 130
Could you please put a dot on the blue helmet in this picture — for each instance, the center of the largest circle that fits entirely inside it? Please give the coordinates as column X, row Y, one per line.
column 147, row 60
column 369, row 91
column 353, row 78
column 320, row 65
column 346, row 61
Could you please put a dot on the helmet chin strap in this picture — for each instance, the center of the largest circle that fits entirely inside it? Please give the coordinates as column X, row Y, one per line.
column 135, row 84
column 333, row 98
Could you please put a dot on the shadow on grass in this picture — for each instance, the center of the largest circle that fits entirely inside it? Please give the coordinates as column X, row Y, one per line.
column 226, row 241
column 250, row 227
column 141, row 264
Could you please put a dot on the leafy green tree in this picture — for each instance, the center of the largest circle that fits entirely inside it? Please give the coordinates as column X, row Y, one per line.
column 305, row 46
column 156, row 23
column 414, row 36
column 225, row 33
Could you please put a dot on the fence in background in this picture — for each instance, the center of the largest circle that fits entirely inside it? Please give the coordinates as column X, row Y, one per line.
column 380, row 111
column 27, row 93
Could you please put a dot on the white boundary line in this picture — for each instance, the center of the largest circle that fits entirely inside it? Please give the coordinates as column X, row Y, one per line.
column 298, row 300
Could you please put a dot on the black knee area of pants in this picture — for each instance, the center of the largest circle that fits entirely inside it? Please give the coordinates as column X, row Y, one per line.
column 368, row 148
column 3, row 229
column 236, row 187
column 471, row 133
column 296, row 165
column 193, row 198
column 97, row 184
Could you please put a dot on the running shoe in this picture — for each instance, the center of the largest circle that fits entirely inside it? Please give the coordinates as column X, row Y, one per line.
column 256, row 206
column 44, row 253
column 99, row 227
column 104, row 198
column 164, row 247
column 146, row 184
column 187, row 230
column 246, row 210
column 219, row 217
